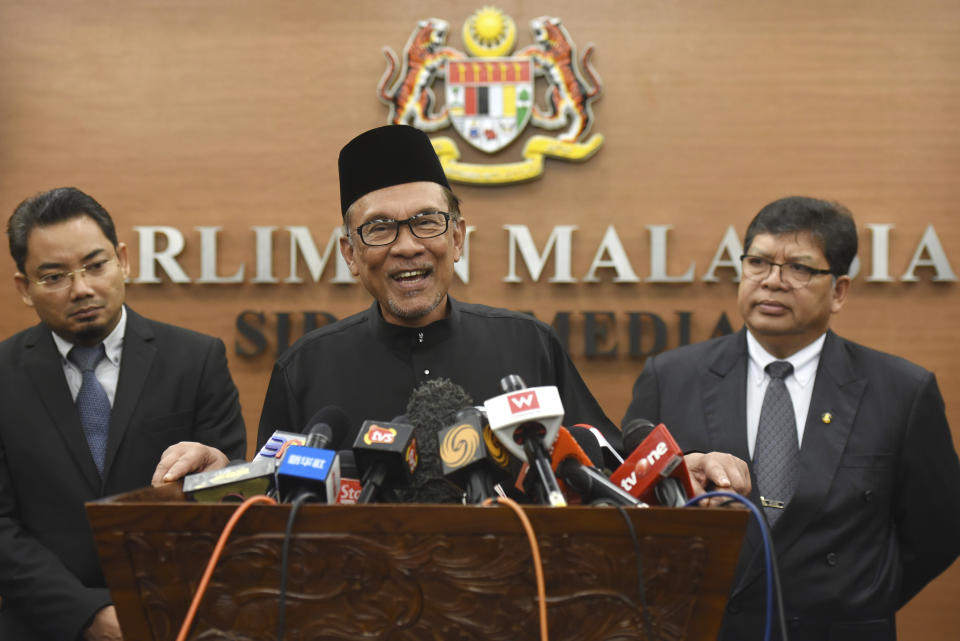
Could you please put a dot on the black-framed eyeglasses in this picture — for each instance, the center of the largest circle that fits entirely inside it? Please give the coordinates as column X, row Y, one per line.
column 796, row 274
column 383, row 231
column 53, row 281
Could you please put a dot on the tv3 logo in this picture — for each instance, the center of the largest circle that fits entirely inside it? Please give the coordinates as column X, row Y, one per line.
column 523, row 401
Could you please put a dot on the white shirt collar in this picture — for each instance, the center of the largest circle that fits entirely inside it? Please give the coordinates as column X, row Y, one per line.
column 113, row 343
column 804, row 361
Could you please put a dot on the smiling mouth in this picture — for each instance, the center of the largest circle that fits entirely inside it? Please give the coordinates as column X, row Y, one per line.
column 411, row 275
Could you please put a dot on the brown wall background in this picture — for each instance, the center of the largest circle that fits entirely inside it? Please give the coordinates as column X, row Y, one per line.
column 232, row 113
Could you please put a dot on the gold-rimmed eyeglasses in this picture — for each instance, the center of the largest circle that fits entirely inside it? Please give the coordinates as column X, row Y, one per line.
column 53, row 281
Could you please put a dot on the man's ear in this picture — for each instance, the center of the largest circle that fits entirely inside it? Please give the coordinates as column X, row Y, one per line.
column 840, row 290
column 459, row 237
column 346, row 250
column 123, row 261
column 22, row 284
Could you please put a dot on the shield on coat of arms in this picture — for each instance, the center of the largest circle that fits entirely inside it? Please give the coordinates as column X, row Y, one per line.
column 489, row 100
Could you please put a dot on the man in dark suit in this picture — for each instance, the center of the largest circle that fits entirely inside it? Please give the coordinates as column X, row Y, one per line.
column 74, row 429
column 863, row 490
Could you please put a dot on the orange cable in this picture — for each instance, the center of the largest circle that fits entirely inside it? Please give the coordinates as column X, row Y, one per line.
column 214, row 557
column 537, row 564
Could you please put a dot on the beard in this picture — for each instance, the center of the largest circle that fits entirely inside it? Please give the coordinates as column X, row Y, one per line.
column 409, row 314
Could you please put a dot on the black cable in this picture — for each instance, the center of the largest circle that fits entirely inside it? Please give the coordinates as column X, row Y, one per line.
column 284, row 558
column 641, row 587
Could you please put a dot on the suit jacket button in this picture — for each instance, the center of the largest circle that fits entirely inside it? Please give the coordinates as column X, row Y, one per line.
column 794, row 622
column 868, row 495
column 831, row 559
column 733, row 608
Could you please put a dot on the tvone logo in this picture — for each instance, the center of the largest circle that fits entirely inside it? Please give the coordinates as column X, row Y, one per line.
column 523, row 401
column 377, row 435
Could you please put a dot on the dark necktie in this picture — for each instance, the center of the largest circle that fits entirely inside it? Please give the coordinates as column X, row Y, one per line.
column 92, row 401
column 777, row 455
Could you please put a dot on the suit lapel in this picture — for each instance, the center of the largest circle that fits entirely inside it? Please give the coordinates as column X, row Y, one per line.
column 43, row 366
column 724, row 387
column 137, row 357
column 837, row 392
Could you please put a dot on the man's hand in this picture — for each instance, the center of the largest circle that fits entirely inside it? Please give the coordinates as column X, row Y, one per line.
column 720, row 471
column 185, row 458
column 104, row 627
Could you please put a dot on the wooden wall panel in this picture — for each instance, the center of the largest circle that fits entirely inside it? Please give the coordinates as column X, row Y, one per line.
column 231, row 114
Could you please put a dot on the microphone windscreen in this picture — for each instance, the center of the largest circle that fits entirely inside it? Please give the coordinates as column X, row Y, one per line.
column 634, row 433
column 432, row 407
column 336, row 420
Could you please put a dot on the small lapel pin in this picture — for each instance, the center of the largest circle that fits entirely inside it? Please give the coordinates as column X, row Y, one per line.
column 827, row 417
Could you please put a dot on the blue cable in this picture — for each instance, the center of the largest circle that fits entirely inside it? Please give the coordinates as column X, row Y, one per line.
column 767, row 548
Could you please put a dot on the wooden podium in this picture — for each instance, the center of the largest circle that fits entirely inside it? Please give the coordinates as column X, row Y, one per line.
column 412, row 572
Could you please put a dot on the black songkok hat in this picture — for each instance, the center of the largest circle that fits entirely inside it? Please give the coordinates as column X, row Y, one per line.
column 386, row 156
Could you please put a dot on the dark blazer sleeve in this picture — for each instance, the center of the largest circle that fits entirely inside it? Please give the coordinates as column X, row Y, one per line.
column 579, row 404
column 58, row 603
column 218, row 421
column 927, row 510
column 645, row 399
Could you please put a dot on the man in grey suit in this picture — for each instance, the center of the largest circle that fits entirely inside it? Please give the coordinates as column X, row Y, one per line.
column 857, row 473
column 94, row 400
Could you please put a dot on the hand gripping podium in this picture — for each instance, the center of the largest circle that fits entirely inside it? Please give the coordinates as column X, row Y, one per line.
column 412, row 572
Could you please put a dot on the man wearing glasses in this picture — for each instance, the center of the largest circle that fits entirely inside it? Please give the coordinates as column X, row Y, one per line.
column 402, row 235
column 95, row 400
column 851, row 455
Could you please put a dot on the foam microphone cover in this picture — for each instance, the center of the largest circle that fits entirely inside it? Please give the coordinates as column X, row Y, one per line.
column 330, row 425
column 635, row 432
column 432, row 407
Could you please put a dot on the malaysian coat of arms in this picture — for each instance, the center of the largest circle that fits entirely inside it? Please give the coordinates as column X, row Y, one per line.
column 490, row 94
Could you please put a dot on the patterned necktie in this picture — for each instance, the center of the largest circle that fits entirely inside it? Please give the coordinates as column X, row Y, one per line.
column 777, row 454
column 92, row 401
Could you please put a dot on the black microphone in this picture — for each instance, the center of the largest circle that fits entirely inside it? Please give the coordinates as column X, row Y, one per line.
column 314, row 467
column 386, row 453
column 473, row 458
column 635, row 432
column 575, row 467
column 432, row 407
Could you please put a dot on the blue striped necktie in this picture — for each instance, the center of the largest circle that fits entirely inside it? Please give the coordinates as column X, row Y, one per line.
column 92, row 401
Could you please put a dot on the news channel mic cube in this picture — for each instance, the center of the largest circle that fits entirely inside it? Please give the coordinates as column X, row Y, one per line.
column 312, row 469
column 390, row 444
column 539, row 405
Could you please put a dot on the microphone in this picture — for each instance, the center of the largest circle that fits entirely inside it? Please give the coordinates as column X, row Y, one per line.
column 472, row 457
column 432, row 407
column 312, row 467
column 235, row 482
column 577, row 471
column 384, row 452
column 655, row 471
column 611, row 457
column 350, row 485
column 278, row 443
column 526, row 421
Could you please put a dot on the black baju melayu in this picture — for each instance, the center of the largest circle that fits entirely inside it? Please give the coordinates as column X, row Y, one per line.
column 369, row 367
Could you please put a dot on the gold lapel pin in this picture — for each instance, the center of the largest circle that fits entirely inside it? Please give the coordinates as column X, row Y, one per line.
column 827, row 417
